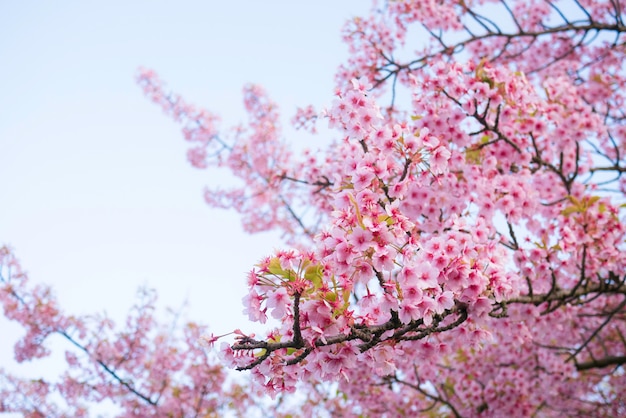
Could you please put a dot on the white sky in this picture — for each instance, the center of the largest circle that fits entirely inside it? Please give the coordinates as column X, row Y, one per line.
column 97, row 197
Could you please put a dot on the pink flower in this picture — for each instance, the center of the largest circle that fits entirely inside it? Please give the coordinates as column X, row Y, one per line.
column 278, row 301
column 362, row 177
column 361, row 239
column 252, row 307
column 439, row 160
column 427, row 276
column 409, row 311
column 444, row 301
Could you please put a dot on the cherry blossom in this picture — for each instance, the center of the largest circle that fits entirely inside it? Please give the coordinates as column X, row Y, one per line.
column 457, row 250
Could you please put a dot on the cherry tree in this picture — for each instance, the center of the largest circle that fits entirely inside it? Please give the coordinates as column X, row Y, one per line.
column 457, row 249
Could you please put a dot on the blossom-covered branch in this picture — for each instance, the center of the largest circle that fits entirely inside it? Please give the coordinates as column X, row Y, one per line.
column 470, row 249
column 144, row 369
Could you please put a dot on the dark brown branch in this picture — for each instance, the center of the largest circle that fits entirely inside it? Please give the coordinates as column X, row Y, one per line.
column 600, row 363
column 562, row 294
column 369, row 335
column 573, row 355
column 436, row 398
column 297, row 333
column 110, row 371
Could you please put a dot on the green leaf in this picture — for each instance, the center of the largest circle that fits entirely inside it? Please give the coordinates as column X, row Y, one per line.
column 275, row 267
column 473, row 156
column 592, row 200
column 314, row 274
column 569, row 210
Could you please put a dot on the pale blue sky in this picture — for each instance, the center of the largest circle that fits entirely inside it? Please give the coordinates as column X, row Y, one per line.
column 97, row 196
